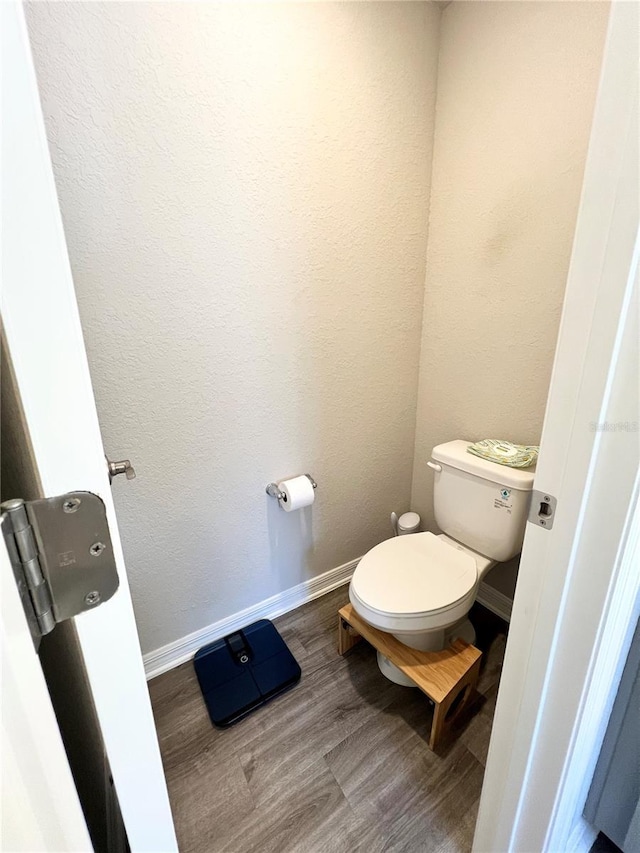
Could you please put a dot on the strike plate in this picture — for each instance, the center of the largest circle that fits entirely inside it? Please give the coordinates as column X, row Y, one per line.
column 543, row 509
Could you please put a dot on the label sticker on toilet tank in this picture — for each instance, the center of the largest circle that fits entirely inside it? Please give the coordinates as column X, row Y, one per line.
column 503, row 502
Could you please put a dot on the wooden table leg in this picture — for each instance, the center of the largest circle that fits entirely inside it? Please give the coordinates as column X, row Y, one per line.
column 347, row 637
column 453, row 707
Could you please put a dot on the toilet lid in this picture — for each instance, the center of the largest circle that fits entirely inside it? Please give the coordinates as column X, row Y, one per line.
column 414, row 574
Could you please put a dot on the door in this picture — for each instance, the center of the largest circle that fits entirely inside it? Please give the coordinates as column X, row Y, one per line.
column 62, row 451
column 613, row 804
column 578, row 591
column 40, row 805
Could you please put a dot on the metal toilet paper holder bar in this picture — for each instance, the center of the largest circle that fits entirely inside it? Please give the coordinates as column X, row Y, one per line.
column 274, row 492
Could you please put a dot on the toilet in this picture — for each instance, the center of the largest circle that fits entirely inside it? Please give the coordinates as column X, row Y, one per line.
column 420, row 587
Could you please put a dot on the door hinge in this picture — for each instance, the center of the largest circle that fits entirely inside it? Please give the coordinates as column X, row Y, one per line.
column 62, row 557
column 542, row 510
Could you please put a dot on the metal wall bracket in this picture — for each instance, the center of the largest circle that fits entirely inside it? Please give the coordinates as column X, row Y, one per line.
column 542, row 510
column 62, row 556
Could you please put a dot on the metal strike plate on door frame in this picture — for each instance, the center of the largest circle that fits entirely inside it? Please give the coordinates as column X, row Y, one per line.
column 62, row 556
column 542, row 510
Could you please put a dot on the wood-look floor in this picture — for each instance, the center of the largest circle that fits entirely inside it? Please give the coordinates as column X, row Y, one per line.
column 340, row 763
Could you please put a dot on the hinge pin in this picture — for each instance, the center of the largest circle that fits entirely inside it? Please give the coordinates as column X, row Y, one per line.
column 25, row 549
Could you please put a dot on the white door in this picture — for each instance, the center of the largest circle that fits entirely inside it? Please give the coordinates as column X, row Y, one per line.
column 40, row 806
column 578, row 592
column 45, row 347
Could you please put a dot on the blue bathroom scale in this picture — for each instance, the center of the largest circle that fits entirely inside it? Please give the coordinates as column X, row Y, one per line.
column 242, row 671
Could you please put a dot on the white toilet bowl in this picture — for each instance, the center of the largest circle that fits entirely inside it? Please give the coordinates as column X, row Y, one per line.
column 419, row 588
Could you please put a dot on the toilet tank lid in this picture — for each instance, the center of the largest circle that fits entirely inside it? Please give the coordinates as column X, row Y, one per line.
column 454, row 454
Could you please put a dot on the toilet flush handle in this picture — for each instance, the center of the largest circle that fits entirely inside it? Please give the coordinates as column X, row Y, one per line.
column 435, row 466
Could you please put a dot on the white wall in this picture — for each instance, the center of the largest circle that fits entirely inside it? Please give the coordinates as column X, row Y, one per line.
column 244, row 190
column 516, row 91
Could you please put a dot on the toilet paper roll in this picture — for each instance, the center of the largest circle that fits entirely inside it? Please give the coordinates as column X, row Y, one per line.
column 298, row 493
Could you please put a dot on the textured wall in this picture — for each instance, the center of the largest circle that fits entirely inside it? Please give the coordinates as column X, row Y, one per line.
column 245, row 191
column 516, row 91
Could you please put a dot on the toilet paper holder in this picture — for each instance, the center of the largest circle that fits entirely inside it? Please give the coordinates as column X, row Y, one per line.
column 273, row 491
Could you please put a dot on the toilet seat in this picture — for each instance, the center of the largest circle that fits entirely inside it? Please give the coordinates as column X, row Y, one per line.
column 414, row 583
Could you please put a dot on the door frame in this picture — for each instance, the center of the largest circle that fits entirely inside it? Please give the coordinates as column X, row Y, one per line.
column 44, row 338
column 578, row 591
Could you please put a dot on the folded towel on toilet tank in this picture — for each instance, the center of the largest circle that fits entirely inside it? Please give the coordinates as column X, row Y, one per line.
column 505, row 452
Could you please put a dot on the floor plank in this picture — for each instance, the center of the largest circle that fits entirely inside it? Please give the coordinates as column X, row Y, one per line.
column 298, row 816
column 211, row 795
column 340, row 763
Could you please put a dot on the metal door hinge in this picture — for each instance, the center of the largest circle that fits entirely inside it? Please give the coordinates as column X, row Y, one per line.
column 62, row 557
column 542, row 510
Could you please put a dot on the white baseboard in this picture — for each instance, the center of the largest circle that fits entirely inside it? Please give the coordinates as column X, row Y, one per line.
column 173, row 654
column 495, row 601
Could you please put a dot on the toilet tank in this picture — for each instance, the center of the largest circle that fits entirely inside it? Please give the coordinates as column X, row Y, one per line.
column 479, row 503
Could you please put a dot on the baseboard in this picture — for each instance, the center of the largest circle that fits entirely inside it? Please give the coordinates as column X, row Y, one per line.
column 495, row 601
column 173, row 654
